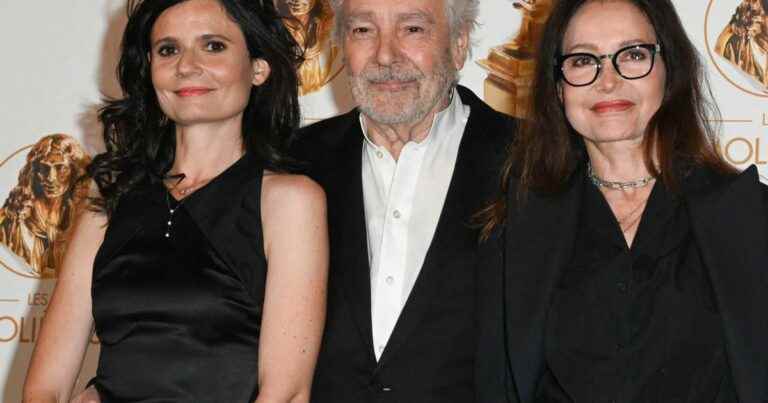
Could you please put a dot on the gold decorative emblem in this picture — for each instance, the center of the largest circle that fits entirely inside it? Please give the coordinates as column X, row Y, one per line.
column 510, row 66
column 38, row 213
column 743, row 43
column 310, row 22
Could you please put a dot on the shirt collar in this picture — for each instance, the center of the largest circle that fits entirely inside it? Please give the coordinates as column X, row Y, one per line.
column 454, row 115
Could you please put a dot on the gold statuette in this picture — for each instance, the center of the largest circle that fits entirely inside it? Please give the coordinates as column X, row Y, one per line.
column 510, row 66
column 744, row 41
column 310, row 22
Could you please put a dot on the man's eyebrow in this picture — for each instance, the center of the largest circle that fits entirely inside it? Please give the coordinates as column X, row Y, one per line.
column 358, row 17
column 417, row 15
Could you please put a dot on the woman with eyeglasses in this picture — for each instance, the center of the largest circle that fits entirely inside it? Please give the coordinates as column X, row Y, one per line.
column 634, row 259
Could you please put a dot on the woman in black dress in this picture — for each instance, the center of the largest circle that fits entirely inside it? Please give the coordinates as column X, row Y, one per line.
column 635, row 260
column 203, row 262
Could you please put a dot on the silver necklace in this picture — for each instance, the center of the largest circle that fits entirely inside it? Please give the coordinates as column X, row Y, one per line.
column 618, row 185
column 171, row 211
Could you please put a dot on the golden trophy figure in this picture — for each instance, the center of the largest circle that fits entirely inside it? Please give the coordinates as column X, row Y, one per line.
column 744, row 41
column 510, row 66
column 310, row 22
column 37, row 215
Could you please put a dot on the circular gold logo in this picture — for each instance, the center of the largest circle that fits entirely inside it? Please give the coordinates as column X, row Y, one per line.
column 38, row 213
column 736, row 37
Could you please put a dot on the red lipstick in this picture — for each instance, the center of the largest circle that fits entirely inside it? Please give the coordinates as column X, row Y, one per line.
column 192, row 91
column 618, row 105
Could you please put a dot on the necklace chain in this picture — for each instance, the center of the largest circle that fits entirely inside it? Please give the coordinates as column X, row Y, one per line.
column 171, row 211
column 183, row 192
column 618, row 185
column 187, row 190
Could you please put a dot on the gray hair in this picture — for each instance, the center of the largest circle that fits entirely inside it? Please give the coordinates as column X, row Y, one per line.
column 462, row 15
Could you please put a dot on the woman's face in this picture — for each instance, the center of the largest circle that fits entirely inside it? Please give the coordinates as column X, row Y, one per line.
column 612, row 108
column 201, row 68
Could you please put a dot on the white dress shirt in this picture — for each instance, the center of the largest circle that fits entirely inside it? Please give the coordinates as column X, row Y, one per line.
column 403, row 202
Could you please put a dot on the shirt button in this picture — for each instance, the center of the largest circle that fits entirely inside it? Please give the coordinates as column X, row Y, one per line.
column 396, row 214
column 390, row 280
column 380, row 348
column 379, row 154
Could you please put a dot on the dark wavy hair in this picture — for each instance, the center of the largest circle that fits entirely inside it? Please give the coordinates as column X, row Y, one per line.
column 547, row 150
column 140, row 140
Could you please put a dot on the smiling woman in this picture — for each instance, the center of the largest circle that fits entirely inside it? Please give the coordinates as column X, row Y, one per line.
column 625, row 289
column 202, row 261
column 205, row 74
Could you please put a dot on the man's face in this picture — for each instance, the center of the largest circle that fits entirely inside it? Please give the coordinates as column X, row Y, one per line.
column 52, row 175
column 400, row 57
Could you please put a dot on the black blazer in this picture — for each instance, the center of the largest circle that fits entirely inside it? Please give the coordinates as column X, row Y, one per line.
column 430, row 354
column 729, row 219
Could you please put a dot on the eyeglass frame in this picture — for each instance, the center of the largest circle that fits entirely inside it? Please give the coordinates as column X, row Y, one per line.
column 654, row 48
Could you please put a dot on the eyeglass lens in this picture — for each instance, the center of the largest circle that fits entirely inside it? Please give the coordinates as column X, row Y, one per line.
column 631, row 63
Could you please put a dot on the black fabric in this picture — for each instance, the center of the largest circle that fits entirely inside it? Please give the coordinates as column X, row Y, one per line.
column 728, row 218
column 179, row 317
column 639, row 324
column 430, row 356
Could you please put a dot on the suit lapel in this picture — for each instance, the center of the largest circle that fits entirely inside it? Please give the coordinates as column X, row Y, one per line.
column 448, row 241
column 348, row 231
column 474, row 172
column 729, row 225
column 539, row 238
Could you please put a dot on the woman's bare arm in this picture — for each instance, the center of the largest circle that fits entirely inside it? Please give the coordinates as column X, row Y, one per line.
column 66, row 328
column 296, row 247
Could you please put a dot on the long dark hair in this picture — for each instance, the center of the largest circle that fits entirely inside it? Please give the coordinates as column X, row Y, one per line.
column 547, row 150
column 140, row 141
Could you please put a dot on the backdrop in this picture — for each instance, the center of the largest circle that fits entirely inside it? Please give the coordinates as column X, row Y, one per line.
column 62, row 61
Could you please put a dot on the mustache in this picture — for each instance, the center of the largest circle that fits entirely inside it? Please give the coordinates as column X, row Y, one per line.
column 381, row 74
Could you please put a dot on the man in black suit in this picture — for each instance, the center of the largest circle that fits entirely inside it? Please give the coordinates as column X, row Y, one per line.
column 404, row 173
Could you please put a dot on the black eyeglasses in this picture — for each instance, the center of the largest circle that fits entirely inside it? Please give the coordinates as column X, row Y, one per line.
column 632, row 63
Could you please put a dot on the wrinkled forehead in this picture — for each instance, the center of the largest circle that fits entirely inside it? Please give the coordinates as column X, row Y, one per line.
column 430, row 10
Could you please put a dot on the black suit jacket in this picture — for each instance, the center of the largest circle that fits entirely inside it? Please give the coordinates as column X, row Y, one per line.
column 430, row 354
column 729, row 219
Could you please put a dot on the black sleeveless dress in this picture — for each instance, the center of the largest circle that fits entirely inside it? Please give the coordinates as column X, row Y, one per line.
column 179, row 316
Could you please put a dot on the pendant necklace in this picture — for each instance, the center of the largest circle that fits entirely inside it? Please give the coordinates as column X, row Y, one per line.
column 183, row 192
column 171, row 211
column 169, row 199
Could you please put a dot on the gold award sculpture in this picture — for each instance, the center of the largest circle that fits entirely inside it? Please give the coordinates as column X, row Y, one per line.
column 510, row 66
column 310, row 22
column 744, row 41
column 37, row 215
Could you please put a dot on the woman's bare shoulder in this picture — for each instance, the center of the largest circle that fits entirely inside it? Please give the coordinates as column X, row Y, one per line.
column 281, row 190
